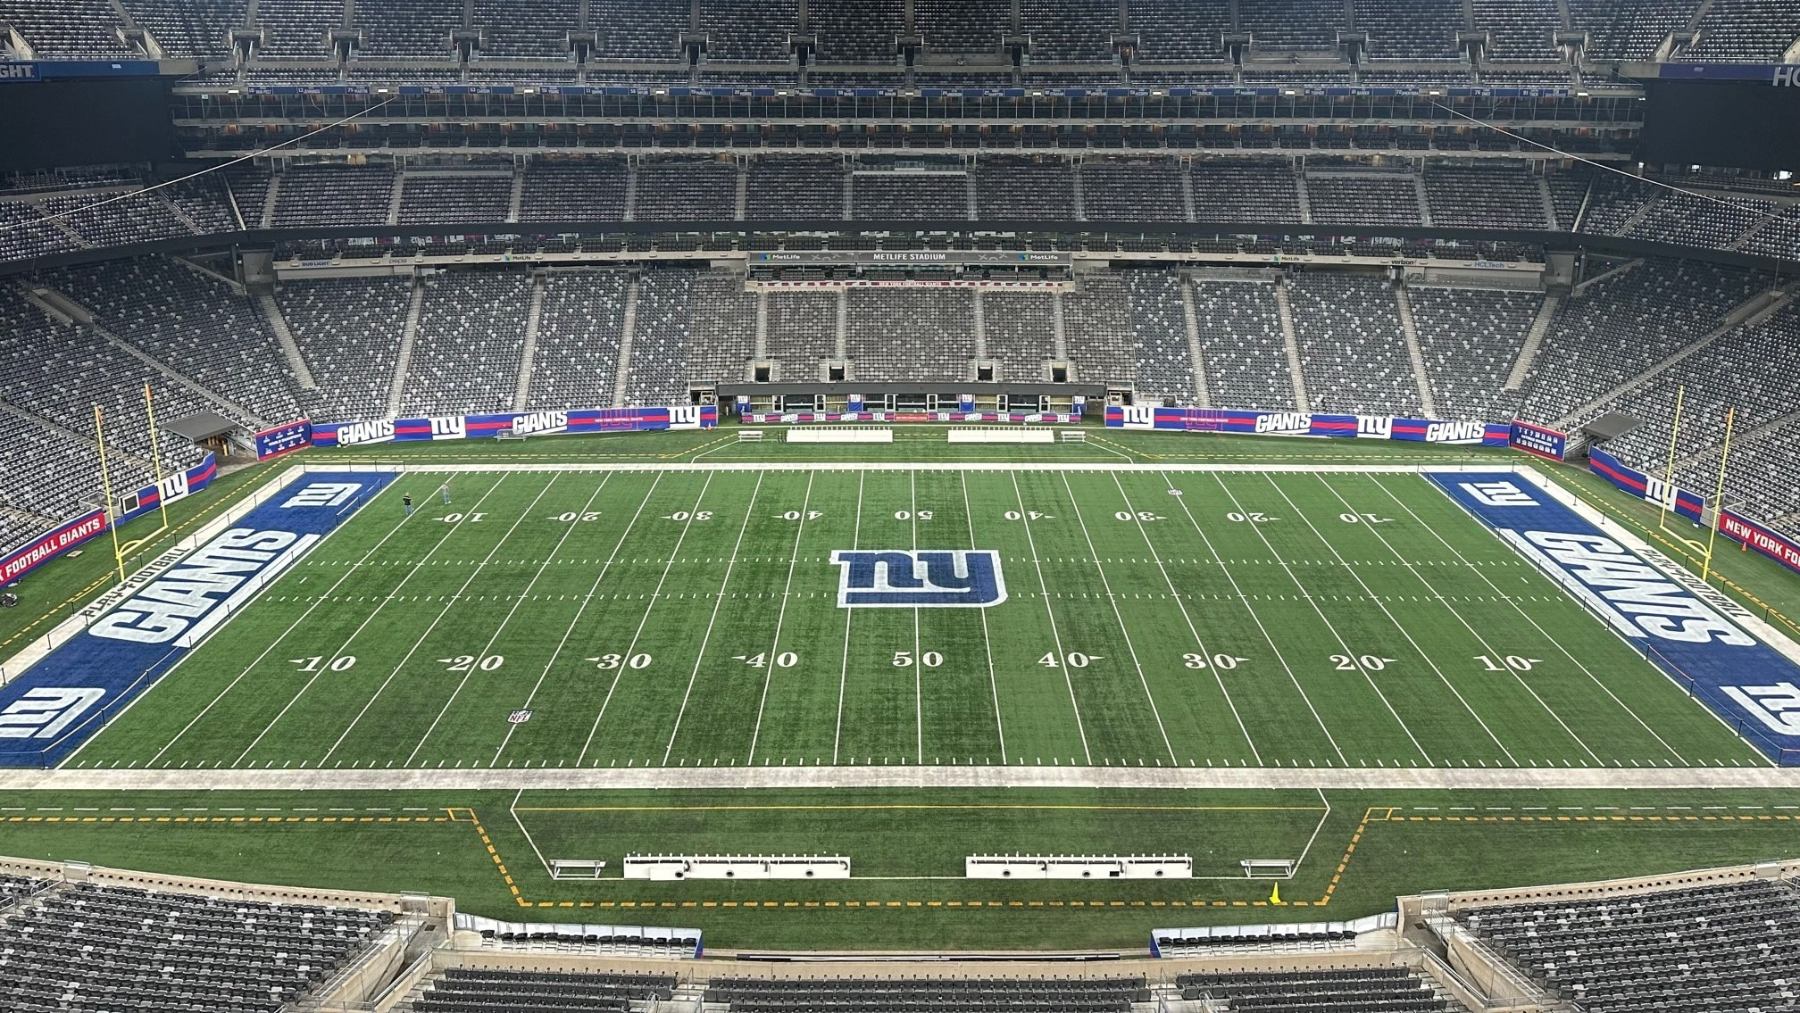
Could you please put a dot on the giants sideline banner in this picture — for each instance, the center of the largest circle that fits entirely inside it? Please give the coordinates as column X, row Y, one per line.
column 50, row 544
column 173, row 487
column 283, row 439
column 1369, row 427
column 1771, row 543
column 1648, row 488
column 783, row 418
column 477, row 427
column 1538, row 440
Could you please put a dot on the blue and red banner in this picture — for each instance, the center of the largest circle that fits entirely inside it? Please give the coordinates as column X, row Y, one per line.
column 54, row 706
column 178, row 486
column 1368, row 427
column 546, row 423
column 283, row 439
column 1761, row 537
column 1023, row 418
column 1646, row 487
column 50, row 544
column 1537, row 440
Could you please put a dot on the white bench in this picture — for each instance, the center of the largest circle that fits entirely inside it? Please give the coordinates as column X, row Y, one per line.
column 678, row 867
column 749, row 435
column 1072, row 436
column 839, row 434
column 1078, row 867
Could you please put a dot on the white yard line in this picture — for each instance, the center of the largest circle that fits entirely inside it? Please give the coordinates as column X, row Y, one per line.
column 987, row 643
column 343, row 647
column 580, row 610
column 1420, row 651
column 1269, row 638
column 780, row 616
column 1119, row 618
column 837, row 736
column 706, row 638
column 655, row 596
column 420, row 642
column 520, row 600
column 1062, row 659
column 349, row 571
column 1483, row 641
column 1206, row 652
column 1310, row 600
column 918, row 666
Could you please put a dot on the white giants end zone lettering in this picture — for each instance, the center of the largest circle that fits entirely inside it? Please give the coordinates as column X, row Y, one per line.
column 196, row 594
column 1635, row 597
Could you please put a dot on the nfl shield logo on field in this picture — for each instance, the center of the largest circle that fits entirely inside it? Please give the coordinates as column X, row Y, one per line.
column 518, row 717
column 919, row 578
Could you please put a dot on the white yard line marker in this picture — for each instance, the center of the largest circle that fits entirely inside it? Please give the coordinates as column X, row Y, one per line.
column 420, row 642
column 1483, row 641
column 780, row 615
column 837, row 736
column 1269, row 638
column 520, row 600
column 912, row 478
column 1527, row 616
column 987, row 643
column 1420, row 651
column 1119, row 617
column 655, row 596
column 706, row 638
column 1206, row 652
column 1062, row 659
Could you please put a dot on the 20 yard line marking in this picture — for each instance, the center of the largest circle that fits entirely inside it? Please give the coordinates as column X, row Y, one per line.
column 837, row 736
column 520, row 600
column 706, row 638
column 1119, row 617
column 780, row 615
column 1062, row 659
column 1279, row 656
column 1392, row 619
column 581, row 610
column 1200, row 641
column 451, row 601
column 655, row 596
column 987, row 643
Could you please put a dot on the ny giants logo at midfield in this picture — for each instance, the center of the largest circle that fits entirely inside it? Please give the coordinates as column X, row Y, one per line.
column 905, row 578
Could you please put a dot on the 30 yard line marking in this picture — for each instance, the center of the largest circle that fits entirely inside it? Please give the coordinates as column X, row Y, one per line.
column 655, row 596
column 1527, row 616
column 780, row 616
column 1198, row 639
column 1267, row 636
column 837, row 736
column 706, row 638
column 1392, row 619
column 581, row 610
column 987, row 643
column 1310, row 600
column 520, row 600
column 1479, row 638
column 1119, row 617
column 349, row 571
column 392, row 675
column 1062, row 659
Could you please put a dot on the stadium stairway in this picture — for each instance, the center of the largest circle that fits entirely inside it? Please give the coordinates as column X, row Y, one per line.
column 626, row 331
column 284, row 337
column 528, row 354
column 1291, row 339
column 1534, row 339
column 1403, row 302
column 408, row 338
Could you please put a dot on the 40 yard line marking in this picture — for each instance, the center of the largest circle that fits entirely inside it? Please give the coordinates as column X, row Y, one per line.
column 580, row 611
column 1061, row 658
column 655, row 596
column 1119, row 618
column 1206, row 540
column 780, row 615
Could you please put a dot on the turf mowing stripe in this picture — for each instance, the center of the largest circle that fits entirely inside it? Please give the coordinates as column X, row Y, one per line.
column 780, row 614
column 1062, row 658
column 837, row 734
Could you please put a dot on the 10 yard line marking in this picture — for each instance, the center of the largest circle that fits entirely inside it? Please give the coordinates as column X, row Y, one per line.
column 780, row 615
column 580, row 610
column 434, row 622
column 1200, row 641
column 706, row 638
column 837, row 736
column 1061, row 658
column 348, row 572
column 1214, row 553
column 1483, row 641
column 987, row 643
column 655, row 596
column 520, row 600
column 1119, row 617
column 1391, row 619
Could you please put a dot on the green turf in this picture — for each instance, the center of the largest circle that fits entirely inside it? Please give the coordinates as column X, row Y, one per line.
column 688, row 617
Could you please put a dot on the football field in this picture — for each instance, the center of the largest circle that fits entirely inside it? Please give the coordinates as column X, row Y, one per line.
column 695, row 616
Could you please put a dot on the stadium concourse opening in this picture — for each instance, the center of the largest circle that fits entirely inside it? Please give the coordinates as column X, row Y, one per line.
column 1120, row 507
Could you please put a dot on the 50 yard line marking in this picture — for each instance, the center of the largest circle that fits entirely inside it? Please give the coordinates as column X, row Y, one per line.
column 912, row 478
column 780, row 616
column 420, row 642
column 580, row 610
column 655, row 596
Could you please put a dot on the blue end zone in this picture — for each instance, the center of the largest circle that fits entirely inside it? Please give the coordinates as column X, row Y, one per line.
column 67, row 697
column 1689, row 631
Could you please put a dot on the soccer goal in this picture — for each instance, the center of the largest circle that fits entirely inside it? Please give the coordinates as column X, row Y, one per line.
column 575, row 868
column 1071, row 436
column 1269, row 868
